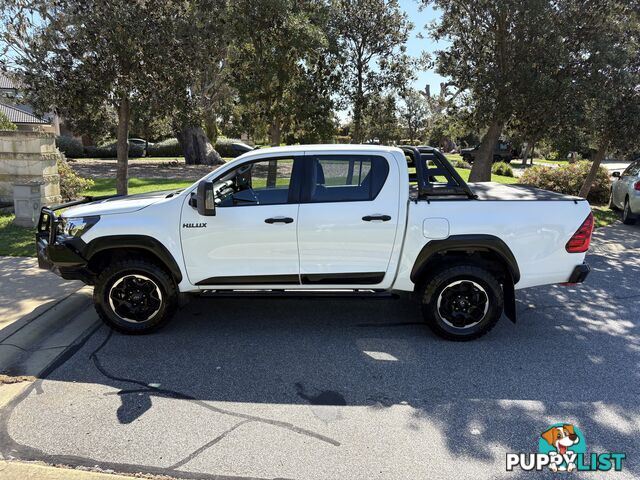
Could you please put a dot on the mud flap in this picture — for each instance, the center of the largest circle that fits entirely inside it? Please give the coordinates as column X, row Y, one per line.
column 509, row 301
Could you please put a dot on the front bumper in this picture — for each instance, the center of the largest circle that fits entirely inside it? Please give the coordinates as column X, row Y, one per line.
column 63, row 256
column 579, row 274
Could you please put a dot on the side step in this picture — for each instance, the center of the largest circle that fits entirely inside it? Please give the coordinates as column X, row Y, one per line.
column 299, row 293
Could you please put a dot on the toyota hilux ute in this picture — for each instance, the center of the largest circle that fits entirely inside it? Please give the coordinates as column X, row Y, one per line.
column 326, row 219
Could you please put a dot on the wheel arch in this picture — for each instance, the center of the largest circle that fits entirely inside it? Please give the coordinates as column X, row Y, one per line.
column 104, row 249
column 487, row 250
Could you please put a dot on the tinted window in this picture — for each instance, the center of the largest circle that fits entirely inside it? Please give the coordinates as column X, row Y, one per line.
column 346, row 178
column 259, row 183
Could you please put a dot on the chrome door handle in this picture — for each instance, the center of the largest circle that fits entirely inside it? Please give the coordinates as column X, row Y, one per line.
column 371, row 218
column 278, row 220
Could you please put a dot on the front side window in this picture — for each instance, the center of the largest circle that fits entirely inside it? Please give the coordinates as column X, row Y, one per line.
column 265, row 182
column 344, row 178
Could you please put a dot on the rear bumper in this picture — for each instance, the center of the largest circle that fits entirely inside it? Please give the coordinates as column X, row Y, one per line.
column 579, row 274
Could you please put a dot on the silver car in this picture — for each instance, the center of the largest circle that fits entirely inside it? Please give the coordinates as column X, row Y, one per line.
column 625, row 192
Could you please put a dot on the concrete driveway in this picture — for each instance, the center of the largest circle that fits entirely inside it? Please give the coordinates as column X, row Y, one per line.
column 348, row 388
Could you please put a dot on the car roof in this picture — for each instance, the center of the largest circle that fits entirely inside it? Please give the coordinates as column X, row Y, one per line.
column 330, row 147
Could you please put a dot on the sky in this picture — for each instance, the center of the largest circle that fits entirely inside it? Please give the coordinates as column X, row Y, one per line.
column 416, row 46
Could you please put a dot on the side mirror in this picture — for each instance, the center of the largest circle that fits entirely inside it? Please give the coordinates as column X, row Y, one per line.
column 204, row 198
column 616, row 174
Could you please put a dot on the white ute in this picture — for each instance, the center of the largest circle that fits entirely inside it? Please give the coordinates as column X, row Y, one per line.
column 313, row 218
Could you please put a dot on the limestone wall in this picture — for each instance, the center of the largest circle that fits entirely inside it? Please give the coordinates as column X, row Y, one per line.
column 29, row 157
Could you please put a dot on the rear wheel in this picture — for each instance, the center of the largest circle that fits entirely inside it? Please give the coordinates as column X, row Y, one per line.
column 135, row 296
column 462, row 302
column 628, row 218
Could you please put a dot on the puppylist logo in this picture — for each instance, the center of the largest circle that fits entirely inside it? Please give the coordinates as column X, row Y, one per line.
column 562, row 448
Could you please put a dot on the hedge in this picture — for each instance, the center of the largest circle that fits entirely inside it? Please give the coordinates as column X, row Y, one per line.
column 166, row 148
column 71, row 147
column 568, row 179
column 502, row 168
column 171, row 148
column 71, row 184
column 111, row 151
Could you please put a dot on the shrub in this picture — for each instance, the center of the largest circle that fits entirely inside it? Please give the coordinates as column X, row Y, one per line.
column 461, row 164
column 6, row 124
column 166, row 148
column 71, row 147
column 224, row 147
column 71, row 185
column 502, row 168
column 110, row 150
column 568, row 179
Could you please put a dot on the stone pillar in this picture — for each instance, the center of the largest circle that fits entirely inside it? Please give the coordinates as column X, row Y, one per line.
column 28, row 157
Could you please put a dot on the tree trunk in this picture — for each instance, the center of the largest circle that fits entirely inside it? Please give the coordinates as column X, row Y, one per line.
column 275, row 132
column 591, row 176
column 196, row 147
column 122, row 177
column 357, row 133
column 481, row 170
column 525, row 154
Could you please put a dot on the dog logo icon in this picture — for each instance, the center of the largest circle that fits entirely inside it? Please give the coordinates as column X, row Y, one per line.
column 565, row 441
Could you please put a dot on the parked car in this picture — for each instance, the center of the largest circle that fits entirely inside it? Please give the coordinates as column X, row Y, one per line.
column 625, row 192
column 311, row 219
column 503, row 152
column 141, row 143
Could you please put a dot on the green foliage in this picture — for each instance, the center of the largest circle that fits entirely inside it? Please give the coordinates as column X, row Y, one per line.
column 71, row 185
column 16, row 241
column 223, row 146
column 502, row 168
column 71, row 147
column 381, row 119
column 414, row 114
column 6, row 124
column 282, row 64
column 109, row 150
column 459, row 163
column 166, row 148
column 568, row 179
column 372, row 39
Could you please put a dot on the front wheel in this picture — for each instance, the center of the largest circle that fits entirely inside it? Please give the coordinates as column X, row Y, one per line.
column 628, row 218
column 135, row 296
column 462, row 302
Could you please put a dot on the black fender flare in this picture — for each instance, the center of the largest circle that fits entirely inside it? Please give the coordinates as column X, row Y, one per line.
column 470, row 243
column 144, row 242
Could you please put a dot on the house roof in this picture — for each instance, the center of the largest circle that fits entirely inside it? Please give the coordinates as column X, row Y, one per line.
column 7, row 83
column 18, row 116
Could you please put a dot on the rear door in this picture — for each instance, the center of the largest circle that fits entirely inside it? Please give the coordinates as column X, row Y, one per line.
column 347, row 220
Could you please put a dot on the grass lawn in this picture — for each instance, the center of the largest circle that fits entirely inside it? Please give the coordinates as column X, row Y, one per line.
column 603, row 215
column 16, row 241
column 107, row 186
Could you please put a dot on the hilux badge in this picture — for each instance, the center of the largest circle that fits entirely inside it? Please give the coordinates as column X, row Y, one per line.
column 194, row 225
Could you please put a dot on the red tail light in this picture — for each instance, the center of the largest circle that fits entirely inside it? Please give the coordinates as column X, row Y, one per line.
column 581, row 240
column 636, row 186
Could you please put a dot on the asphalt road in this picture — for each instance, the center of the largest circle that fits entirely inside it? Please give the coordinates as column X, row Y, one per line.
column 348, row 388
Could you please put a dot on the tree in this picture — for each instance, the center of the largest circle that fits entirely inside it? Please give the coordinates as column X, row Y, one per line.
column 414, row 113
column 280, row 53
column 85, row 58
column 372, row 36
column 496, row 50
column 607, row 50
column 380, row 119
column 6, row 124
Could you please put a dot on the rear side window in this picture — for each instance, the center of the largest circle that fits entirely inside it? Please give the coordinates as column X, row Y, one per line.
column 345, row 178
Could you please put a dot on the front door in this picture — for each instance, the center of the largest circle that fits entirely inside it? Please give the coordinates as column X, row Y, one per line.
column 251, row 240
column 347, row 220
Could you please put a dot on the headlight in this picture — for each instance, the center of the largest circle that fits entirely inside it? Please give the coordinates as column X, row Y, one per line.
column 76, row 226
